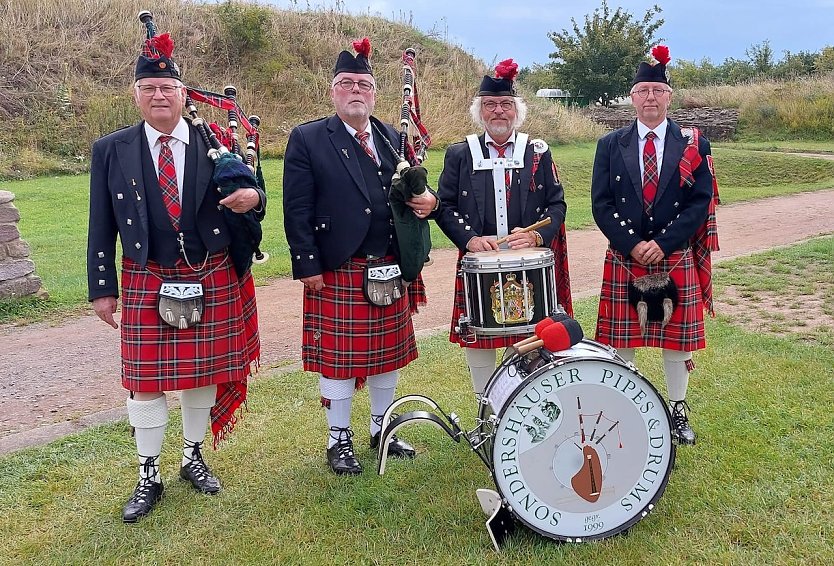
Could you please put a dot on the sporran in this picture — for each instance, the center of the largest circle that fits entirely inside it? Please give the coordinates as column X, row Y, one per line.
column 180, row 303
column 383, row 284
column 655, row 297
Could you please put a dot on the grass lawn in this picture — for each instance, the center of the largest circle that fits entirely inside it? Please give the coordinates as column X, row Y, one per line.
column 792, row 146
column 54, row 215
column 754, row 490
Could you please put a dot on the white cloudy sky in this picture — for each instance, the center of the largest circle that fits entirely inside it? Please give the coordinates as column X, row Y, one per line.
column 716, row 29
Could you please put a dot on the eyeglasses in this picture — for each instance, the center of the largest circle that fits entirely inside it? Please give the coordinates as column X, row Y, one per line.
column 150, row 90
column 364, row 86
column 505, row 105
column 644, row 92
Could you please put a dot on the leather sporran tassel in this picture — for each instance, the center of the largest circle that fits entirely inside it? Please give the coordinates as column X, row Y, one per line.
column 668, row 307
column 169, row 316
column 195, row 315
column 642, row 316
column 183, row 322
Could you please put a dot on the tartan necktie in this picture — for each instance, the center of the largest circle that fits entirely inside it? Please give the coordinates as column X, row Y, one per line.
column 363, row 141
column 502, row 149
column 649, row 172
column 168, row 182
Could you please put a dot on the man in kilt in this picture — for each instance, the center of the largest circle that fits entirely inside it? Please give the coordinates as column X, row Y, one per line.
column 651, row 193
column 475, row 209
column 151, row 185
column 337, row 174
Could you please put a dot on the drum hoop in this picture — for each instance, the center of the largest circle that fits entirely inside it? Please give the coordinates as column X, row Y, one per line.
column 507, row 266
column 639, row 514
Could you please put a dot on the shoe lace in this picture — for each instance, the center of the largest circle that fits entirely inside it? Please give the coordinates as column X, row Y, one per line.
column 196, row 462
column 344, row 442
column 679, row 411
column 149, row 468
column 377, row 419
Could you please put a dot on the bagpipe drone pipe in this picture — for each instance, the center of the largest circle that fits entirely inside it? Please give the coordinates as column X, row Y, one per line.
column 411, row 178
column 234, row 168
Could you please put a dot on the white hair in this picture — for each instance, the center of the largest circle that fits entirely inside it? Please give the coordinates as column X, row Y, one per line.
column 520, row 112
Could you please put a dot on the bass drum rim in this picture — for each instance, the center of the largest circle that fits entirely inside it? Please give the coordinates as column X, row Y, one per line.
column 644, row 510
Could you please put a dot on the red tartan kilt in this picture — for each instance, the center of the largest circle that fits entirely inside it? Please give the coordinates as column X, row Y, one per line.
column 459, row 308
column 617, row 322
column 159, row 357
column 345, row 336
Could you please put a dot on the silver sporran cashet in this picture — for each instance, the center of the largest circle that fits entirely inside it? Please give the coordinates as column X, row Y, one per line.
column 181, row 303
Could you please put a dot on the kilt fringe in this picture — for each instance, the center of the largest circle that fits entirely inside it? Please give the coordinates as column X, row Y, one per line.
column 221, row 350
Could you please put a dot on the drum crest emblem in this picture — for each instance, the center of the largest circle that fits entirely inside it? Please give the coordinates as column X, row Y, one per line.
column 512, row 302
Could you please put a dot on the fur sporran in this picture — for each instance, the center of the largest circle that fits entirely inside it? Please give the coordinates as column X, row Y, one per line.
column 655, row 297
column 383, row 284
column 181, row 303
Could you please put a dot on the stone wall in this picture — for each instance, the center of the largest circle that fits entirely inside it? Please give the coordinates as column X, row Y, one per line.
column 717, row 124
column 17, row 271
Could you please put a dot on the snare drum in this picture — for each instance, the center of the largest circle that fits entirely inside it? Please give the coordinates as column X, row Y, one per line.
column 580, row 443
column 508, row 291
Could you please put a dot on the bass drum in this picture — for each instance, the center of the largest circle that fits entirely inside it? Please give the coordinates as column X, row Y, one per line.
column 581, row 445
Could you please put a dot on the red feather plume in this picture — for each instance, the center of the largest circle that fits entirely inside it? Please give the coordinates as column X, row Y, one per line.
column 506, row 69
column 363, row 47
column 661, row 53
column 163, row 44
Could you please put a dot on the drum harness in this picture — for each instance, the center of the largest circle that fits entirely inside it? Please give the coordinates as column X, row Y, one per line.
column 498, row 166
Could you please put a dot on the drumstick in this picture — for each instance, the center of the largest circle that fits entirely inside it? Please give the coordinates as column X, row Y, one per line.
column 555, row 337
column 540, row 326
column 539, row 224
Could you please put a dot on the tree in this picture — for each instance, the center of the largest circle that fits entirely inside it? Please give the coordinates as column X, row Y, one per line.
column 599, row 60
column 538, row 76
column 824, row 62
column 760, row 56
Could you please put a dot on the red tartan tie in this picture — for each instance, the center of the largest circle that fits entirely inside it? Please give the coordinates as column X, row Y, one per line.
column 168, row 182
column 363, row 141
column 649, row 172
column 502, row 149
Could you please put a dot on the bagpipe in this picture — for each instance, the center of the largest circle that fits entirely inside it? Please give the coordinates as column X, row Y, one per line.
column 234, row 168
column 411, row 178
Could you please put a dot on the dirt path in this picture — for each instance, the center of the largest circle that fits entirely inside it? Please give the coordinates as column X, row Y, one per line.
column 61, row 379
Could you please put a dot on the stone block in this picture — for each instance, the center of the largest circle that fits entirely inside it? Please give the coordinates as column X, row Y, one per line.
column 9, row 213
column 9, row 232
column 6, row 196
column 20, row 287
column 17, row 248
column 16, row 268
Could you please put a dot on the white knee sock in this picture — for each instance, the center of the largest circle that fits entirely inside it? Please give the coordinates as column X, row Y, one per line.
column 481, row 367
column 339, row 396
column 196, row 407
column 381, row 389
column 677, row 374
column 148, row 419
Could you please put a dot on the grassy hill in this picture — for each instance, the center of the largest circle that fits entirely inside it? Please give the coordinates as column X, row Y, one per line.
column 66, row 73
